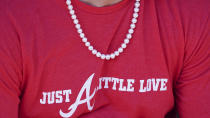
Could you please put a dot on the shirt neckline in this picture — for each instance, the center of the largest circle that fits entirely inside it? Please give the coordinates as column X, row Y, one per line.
column 99, row 10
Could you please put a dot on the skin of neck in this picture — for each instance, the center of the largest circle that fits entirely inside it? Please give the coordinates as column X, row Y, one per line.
column 100, row 3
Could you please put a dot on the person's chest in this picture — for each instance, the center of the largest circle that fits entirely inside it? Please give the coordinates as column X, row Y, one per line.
column 63, row 79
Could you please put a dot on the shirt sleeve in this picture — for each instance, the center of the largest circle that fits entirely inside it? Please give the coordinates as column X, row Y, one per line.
column 192, row 89
column 10, row 66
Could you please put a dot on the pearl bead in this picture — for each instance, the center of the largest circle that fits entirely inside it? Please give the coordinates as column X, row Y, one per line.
column 68, row 2
column 84, row 40
column 72, row 12
column 73, row 17
column 126, row 41
column 94, row 52
column 116, row 53
column 136, row 9
column 132, row 25
column 76, row 21
column 82, row 35
column 103, row 56
column 134, row 20
column 137, row 4
column 130, row 31
column 123, row 45
column 77, row 26
column 79, row 30
column 87, row 44
column 135, row 15
column 120, row 50
column 90, row 48
column 108, row 57
column 129, row 36
column 70, row 7
column 98, row 54
column 112, row 56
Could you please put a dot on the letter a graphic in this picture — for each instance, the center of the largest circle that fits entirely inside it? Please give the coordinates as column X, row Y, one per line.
column 73, row 107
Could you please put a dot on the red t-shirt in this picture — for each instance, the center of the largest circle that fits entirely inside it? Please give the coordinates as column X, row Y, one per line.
column 47, row 72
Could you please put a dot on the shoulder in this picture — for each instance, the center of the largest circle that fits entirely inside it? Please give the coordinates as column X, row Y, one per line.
column 195, row 16
column 18, row 5
column 190, row 18
column 193, row 8
column 192, row 14
column 186, row 8
column 19, row 8
column 185, row 12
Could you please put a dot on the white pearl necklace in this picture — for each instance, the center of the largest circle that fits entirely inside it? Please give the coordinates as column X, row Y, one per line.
column 90, row 47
